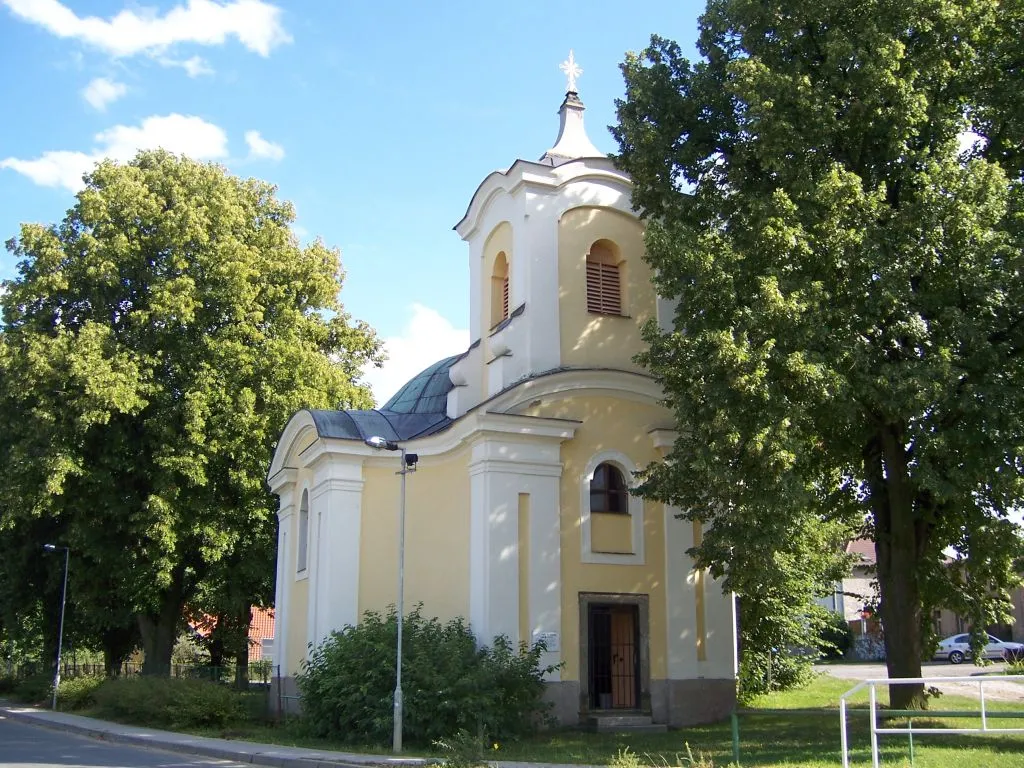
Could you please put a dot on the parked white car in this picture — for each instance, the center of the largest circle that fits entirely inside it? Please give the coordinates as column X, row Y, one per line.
column 958, row 647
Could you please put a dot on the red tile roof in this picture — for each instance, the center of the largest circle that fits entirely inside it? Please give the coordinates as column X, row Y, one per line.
column 261, row 627
column 864, row 548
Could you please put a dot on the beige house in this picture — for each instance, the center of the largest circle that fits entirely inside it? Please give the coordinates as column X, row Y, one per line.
column 520, row 514
column 860, row 589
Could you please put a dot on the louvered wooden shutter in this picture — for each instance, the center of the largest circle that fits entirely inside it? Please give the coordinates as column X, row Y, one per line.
column 603, row 292
column 504, row 298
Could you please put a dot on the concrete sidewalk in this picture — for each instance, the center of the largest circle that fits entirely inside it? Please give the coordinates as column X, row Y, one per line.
column 223, row 749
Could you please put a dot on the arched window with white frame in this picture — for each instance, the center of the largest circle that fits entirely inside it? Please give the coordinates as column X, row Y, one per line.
column 611, row 518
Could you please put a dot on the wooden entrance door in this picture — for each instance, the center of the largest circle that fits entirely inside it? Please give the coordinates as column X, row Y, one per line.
column 613, row 656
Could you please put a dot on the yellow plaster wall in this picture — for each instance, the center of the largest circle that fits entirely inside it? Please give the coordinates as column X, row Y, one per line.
column 589, row 339
column 608, row 423
column 611, row 533
column 436, row 536
column 298, row 612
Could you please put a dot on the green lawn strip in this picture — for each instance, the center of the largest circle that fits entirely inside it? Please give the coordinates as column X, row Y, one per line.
column 769, row 736
column 291, row 733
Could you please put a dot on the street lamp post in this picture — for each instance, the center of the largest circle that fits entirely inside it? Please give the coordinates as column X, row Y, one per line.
column 408, row 465
column 63, row 602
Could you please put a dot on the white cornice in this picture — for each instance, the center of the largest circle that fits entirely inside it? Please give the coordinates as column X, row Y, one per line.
column 538, row 469
column 539, row 177
column 474, row 425
column 663, row 438
column 498, row 416
column 628, row 385
column 336, row 484
column 281, row 478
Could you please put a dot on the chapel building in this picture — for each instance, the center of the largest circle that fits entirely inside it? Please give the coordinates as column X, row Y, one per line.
column 520, row 515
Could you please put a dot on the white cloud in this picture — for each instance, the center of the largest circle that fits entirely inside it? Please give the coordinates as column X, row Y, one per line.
column 195, row 66
column 260, row 147
column 255, row 23
column 426, row 338
column 102, row 92
column 182, row 134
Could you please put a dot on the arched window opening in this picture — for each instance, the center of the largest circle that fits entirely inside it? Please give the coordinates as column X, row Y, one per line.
column 499, row 289
column 608, row 492
column 604, row 279
column 303, row 542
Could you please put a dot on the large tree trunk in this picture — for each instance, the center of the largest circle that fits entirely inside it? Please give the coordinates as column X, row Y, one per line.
column 160, row 630
column 898, row 548
column 118, row 644
column 215, row 646
column 243, row 620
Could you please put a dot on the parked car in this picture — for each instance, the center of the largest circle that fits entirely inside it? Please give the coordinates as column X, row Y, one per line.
column 958, row 647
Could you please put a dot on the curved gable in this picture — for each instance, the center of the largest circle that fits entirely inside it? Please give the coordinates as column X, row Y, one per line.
column 299, row 433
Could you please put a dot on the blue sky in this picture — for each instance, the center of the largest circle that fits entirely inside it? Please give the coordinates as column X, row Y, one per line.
column 376, row 119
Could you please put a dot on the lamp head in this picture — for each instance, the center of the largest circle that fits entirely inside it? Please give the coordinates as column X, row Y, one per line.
column 50, row 547
column 381, row 444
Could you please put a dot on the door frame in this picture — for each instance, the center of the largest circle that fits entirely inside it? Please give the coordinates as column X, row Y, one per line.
column 642, row 603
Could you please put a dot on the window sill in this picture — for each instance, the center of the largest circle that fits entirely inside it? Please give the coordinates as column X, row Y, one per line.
column 607, row 314
column 505, row 321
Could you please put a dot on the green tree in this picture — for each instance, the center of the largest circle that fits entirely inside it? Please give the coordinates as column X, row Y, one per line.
column 850, row 287
column 154, row 344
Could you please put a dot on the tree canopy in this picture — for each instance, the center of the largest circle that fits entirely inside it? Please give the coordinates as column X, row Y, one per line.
column 154, row 343
column 834, row 199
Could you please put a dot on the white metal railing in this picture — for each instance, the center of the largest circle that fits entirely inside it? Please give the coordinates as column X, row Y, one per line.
column 910, row 730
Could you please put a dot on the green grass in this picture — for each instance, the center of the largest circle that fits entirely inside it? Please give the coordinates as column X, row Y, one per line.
column 768, row 737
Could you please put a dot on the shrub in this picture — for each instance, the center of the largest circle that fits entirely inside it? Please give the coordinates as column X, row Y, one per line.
column 77, row 692
column 168, row 702
column 766, row 671
column 449, row 684
column 835, row 638
column 7, row 684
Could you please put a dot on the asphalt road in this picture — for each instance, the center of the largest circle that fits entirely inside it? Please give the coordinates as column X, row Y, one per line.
column 27, row 746
column 1005, row 690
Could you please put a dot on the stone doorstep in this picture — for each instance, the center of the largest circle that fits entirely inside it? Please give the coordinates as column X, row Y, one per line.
column 632, row 723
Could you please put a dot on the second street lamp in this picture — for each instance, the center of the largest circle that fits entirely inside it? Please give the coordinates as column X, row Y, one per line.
column 408, row 464
column 63, row 602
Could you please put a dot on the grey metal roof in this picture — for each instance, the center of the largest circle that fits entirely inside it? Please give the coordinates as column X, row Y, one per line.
column 418, row 409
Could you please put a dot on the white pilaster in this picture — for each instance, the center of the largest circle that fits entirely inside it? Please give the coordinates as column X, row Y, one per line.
column 680, row 597
column 335, row 510
column 545, row 577
column 540, row 238
column 720, row 613
column 283, row 485
column 500, row 469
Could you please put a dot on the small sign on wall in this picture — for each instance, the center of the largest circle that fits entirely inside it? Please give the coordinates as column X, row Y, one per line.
column 550, row 640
